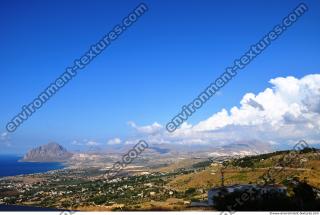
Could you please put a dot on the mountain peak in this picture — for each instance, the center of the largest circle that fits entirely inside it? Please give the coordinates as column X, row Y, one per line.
column 51, row 152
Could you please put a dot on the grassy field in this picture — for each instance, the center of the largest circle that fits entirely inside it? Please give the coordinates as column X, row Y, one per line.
column 309, row 170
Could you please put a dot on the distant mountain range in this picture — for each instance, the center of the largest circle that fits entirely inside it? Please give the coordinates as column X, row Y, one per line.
column 242, row 148
column 51, row 152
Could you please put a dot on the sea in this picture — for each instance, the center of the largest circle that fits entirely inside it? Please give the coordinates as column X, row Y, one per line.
column 11, row 166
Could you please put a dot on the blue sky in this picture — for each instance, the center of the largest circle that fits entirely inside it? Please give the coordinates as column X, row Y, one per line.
column 162, row 62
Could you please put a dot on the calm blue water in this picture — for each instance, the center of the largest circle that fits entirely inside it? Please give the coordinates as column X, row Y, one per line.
column 9, row 166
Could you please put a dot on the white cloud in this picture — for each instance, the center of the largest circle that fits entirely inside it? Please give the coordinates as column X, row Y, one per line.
column 92, row 143
column 149, row 129
column 5, row 139
column 289, row 96
column 76, row 142
column 85, row 142
column 3, row 135
column 287, row 111
column 114, row 141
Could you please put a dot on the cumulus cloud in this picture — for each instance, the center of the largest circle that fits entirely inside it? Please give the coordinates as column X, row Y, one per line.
column 114, row 141
column 149, row 129
column 287, row 111
column 288, row 97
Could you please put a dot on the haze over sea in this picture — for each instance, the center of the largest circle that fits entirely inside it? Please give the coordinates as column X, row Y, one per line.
column 10, row 166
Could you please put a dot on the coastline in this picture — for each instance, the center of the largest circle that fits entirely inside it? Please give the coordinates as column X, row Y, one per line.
column 13, row 165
